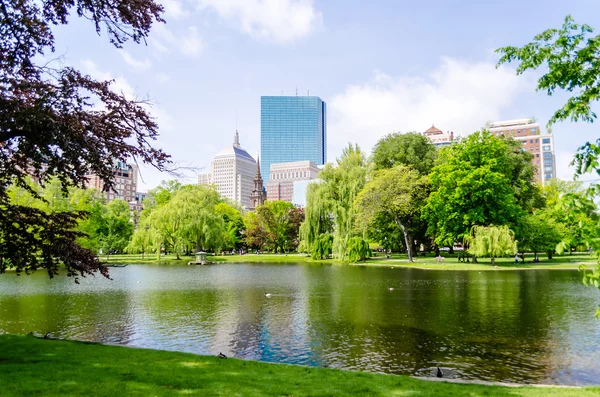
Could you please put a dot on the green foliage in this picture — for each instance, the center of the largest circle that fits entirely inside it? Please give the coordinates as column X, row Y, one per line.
column 276, row 225
column 411, row 149
column 480, row 181
column 358, row 249
column 233, row 228
column 399, row 192
column 322, row 246
column 491, row 241
column 317, row 214
column 341, row 185
column 569, row 57
column 118, row 228
column 536, row 233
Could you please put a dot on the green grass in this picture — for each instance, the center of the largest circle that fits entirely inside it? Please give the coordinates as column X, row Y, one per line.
column 37, row 367
column 399, row 260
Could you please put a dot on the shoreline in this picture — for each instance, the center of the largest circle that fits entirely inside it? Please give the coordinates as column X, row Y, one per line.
column 65, row 367
column 398, row 262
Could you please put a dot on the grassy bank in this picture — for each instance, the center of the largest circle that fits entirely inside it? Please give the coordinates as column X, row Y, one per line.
column 37, row 367
column 397, row 260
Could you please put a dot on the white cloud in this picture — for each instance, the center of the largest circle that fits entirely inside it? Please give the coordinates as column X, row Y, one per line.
column 189, row 44
column 174, row 9
column 457, row 96
column 162, row 77
column 274, row 20
column 134, row 63
column 120, row 84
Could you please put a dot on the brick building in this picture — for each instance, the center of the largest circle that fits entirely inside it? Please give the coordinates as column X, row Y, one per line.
column 540, row 145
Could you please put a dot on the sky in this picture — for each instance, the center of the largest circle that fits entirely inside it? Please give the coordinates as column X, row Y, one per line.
column 382, row 66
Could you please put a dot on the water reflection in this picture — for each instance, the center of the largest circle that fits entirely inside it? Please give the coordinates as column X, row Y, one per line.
column 521, row 326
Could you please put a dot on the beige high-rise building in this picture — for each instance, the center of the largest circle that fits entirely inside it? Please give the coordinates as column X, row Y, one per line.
column 283, row 176
column 232, row 173
column 540, row 145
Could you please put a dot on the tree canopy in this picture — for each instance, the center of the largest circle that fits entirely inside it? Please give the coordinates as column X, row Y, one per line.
column 412, row 149
column 56, row 121
column 480, row 180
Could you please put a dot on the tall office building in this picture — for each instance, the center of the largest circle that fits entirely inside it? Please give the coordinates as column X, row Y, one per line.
column 292, row 128
column 540, row 145
column 232, row 172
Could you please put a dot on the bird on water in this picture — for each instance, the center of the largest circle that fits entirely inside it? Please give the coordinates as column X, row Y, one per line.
column 439, row 374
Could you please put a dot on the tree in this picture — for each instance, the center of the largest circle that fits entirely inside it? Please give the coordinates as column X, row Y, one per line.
column 399, row 192
column 318, row 215
column 570, row 56
column 341, row 185
column 358, row 249
column 233, row 228
column 281, row 221
column 322, row 246
column 255, row 235
column 200, row 223
column 537, row 234
column 571, row 206
column 412, row 149
column 491, row 241
column 55, row 121
column 118, row 226
column 479, row 181
column 143, row 240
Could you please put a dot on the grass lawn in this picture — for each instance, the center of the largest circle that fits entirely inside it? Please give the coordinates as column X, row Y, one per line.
column 400, row 260
column 37, row 367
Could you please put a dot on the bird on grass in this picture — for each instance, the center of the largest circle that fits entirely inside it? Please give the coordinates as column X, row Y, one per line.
column 268, row 295
column 391, row 288
column 439, row 373
column 221, row 355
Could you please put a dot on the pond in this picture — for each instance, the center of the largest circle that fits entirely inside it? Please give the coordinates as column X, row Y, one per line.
column 514, row 326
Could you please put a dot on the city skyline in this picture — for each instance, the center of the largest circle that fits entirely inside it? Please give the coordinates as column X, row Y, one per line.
column 213, row 61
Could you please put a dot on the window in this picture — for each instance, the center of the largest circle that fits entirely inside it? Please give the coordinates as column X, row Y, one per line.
column 546, row 140
column 518, row 131
column 547, row 155
column 548, row 161
column 546, row 148
column 537, row 141
column 533, row 130
column 531, row 141
column 548, row 168
column 537, row 155
column 548, row 176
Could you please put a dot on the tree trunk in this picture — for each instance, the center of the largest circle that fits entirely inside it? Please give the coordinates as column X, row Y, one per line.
column 408, row 245
column 549, row 254
column 451, row 250
column 493, row 261
column 475, row 259
column 437, row 251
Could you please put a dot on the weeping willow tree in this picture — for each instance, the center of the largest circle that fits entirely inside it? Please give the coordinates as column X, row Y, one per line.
column 317, row 216
column 491, row 241
column 335, row 196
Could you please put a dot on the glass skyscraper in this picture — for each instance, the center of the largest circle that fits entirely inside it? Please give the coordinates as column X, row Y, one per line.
column 292, row 128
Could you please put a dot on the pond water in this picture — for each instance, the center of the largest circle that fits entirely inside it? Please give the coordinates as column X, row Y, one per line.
column 515, row 326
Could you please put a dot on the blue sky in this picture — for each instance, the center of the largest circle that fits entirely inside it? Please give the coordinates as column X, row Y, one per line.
column 381, row 66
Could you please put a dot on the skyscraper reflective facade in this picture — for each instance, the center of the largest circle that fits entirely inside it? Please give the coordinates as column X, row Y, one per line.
column 292, row 128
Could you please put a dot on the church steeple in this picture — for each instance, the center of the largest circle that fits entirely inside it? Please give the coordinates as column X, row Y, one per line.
column 258, row 195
